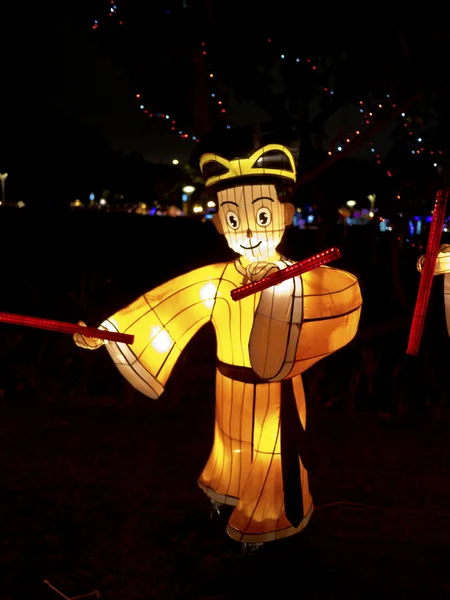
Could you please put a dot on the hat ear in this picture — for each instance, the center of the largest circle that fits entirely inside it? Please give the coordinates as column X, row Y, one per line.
column 218, row 223
column 289, row 211
column 277, row 158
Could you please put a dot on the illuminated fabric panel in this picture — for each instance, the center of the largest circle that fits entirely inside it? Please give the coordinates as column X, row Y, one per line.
column 162, row 321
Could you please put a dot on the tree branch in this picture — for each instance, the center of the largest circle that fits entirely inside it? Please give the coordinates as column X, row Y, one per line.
column 359, row 141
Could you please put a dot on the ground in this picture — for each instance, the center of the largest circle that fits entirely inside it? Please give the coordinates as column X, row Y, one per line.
column 101, row 497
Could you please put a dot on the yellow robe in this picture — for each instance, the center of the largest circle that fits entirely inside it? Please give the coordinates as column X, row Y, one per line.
column 244, row 468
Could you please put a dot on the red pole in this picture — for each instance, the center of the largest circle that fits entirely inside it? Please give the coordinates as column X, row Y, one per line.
column 426, row 279
column 50, row 325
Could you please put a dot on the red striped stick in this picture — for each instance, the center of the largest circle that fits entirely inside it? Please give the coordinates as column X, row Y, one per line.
column 298, row 268
column 426, row 279
column 50, row 325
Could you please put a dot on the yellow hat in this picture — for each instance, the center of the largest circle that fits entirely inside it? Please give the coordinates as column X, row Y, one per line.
column 269, row 163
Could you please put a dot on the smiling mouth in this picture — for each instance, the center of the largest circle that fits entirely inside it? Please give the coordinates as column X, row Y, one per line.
column 250, row 247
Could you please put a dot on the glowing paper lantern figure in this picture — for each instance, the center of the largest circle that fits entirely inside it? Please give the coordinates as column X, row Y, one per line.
column 442, row 268
column 258, row 462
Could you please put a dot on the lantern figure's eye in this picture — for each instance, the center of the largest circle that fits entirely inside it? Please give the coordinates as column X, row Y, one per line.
column 263, row 217
column 232, row 219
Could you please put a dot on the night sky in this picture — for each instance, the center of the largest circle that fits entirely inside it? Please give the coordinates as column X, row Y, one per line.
column 56, row 62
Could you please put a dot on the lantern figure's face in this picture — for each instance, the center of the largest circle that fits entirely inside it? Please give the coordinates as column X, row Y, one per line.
column 253, row 220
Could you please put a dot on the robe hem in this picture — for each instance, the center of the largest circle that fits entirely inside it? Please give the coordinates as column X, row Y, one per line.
column 216, row 496
column 269, row 536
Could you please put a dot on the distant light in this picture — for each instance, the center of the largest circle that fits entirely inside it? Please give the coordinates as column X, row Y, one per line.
column 351, row 203
column 419, row 139
column 228, row 126
column 282, row 56
column 297, row 60
column 211, row 204
column 371, row 214
column 91, row 197
column 175, row 161
column 141, row 106
column 188, row 189
column 339, row 148
column 194, row 137
column 403, row 115
column 213, row 95
column 184, row 197
column 434, row 164
column 167, row 117
column 102, row 202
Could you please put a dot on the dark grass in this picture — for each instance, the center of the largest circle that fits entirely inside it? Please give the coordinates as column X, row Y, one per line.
column 100, row 497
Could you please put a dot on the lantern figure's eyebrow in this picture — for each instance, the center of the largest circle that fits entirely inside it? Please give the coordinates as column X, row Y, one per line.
column 229, row 202
column 262, row 198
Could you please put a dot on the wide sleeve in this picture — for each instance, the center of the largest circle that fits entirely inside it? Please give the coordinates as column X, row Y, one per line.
column 331, row 311
column 162, row 322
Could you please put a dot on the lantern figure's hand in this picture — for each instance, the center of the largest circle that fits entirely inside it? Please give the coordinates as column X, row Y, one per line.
column 258, row 270
column 442, row 262
column 88, row 343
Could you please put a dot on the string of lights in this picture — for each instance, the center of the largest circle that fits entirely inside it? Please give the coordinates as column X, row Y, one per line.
column 159, row 115
column 142, row 105
column 112, row 12
column 369, row 114
column 218, row 101
column 370, row 110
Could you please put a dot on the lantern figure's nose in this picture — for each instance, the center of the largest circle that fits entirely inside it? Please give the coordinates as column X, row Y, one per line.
column 249, row 234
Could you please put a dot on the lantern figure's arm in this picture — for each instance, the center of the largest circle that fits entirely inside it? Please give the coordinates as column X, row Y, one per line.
column 428, row 271
column 332, row 306
column 447, row 299
column 162, row 322
column 303, row 320
column 290, row 272
column 442, row 268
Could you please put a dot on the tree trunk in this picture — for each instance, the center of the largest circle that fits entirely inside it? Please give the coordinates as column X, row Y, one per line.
column 200, row 96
